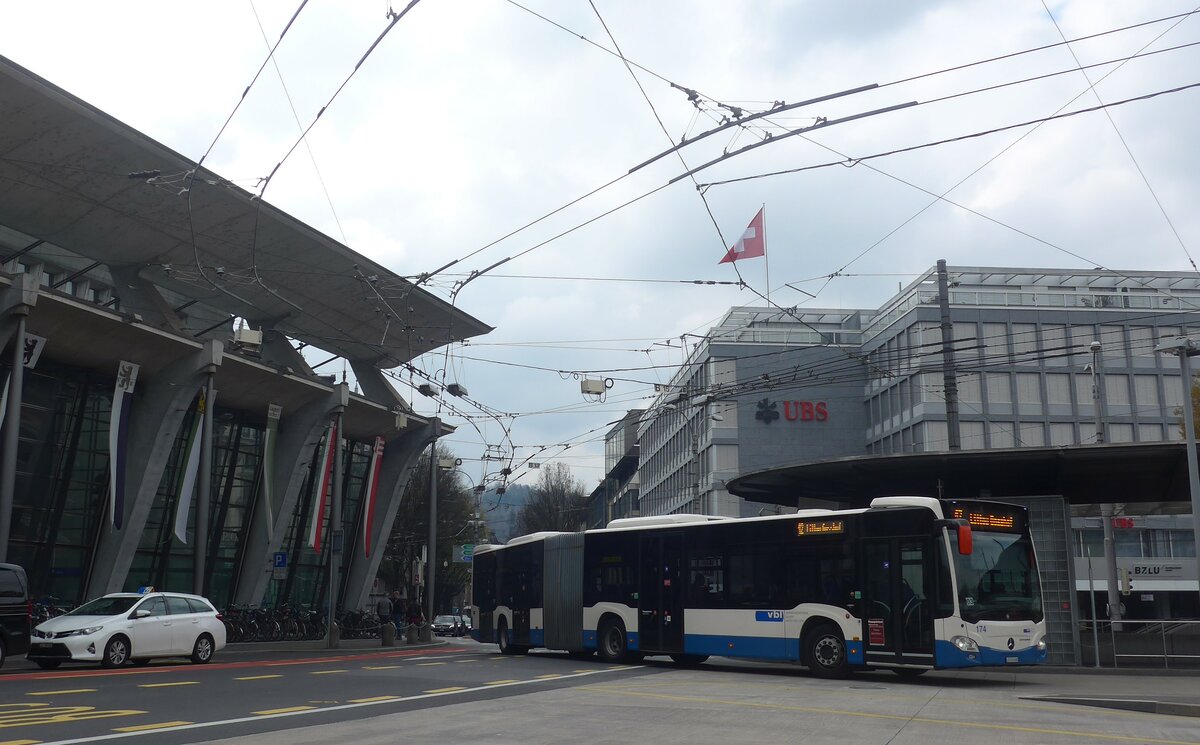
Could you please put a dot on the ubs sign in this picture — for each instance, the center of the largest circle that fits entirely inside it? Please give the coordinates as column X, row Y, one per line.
column 793, row 411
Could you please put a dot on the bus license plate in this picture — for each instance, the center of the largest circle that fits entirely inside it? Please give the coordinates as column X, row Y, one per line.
column 1012, row 660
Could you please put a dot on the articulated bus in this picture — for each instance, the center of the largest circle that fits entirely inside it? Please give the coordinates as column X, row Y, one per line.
column 910, row 584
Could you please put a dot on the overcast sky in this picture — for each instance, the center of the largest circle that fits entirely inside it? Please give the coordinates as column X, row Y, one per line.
column 475, row 117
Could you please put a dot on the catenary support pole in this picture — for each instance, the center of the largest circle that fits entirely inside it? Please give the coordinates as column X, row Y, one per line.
column 335, row 524
column 948, row 375
column 431, row 562
column 1189, row 429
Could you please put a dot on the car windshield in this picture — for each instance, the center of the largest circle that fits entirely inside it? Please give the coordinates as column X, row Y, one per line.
column 999, row 580
column 105, row 606
column 445, row 619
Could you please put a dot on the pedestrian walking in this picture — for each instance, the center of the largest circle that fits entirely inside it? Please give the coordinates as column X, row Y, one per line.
column 383, row 609
column 398, row 609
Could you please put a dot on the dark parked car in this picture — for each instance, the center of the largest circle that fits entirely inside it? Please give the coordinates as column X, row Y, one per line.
column 14, row 611
column 448, row 626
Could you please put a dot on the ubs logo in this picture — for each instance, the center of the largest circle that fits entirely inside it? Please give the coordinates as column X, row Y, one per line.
column 1011, row 643
column 803, row 411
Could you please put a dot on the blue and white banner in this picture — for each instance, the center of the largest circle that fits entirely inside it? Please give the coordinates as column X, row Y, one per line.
column 191, row 468
column 118, row 440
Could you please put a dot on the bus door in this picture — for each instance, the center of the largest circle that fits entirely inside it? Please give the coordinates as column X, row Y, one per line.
column 897, row 604
column 661, row 588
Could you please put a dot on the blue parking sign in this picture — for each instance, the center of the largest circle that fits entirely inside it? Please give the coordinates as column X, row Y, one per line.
column 280, row 560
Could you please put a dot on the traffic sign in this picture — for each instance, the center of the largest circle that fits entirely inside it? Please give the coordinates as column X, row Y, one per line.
column 463, row 553
column 280, row 560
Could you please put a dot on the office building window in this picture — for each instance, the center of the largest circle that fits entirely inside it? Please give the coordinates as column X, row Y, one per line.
column 1054, row 346
column 968, row 388
column 1172, row 393
column 1029, row 390
column 998, row 391
column 972, row 435
column 1146, row 394
column 1113, row 339
column 1062, row 433
column 1001, row 434
column 1119, row 432
column 1024, row 342
column 1032, row 435
column 1150, row 433
column 1141, row 343
column 995, row 341
column 1058, row 389
column 1116, row 390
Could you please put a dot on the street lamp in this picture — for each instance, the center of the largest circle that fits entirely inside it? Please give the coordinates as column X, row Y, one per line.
column 1184, row 348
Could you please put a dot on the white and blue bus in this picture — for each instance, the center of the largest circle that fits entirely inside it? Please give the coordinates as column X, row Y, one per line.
column 909, row 584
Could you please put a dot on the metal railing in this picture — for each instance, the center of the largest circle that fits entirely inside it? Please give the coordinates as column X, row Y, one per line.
column 1164, row 643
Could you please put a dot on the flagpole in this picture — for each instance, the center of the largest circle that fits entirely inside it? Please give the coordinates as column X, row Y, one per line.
column 766, row 256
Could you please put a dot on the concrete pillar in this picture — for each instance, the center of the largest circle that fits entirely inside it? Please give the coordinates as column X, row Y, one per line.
column 400, row 455
column 15, row 305
column 158, row 411
column 300, row 432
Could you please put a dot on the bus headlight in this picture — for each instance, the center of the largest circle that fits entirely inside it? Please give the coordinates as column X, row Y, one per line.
column 1041, row 645
column 964, row 643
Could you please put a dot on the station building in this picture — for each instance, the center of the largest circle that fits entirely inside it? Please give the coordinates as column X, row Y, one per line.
column 132, row 281
column 805, row 407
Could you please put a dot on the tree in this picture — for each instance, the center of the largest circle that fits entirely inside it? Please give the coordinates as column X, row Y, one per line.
column 456, row 516
column 1180, row 412
column 558, row 502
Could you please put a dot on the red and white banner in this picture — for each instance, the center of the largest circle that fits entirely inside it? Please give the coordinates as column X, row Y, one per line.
column 752, row 244
column 321, row 492
column 372, row 487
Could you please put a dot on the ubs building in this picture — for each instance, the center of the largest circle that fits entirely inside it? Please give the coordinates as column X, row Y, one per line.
column 778, row 409
column 155, row 396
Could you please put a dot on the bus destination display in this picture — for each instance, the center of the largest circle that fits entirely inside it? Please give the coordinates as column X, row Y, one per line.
column 820, row 527
column 976, row 519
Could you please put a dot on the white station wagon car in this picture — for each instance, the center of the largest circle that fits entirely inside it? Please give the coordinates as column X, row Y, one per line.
column 130, row 627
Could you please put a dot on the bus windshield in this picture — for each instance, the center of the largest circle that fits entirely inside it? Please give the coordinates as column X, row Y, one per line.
column 998, row 581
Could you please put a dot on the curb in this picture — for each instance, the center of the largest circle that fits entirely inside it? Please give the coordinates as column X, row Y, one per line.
column 320, row 645
column 1146, row 706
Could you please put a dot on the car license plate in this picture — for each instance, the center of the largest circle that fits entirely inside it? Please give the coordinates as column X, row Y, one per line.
column 41, row 645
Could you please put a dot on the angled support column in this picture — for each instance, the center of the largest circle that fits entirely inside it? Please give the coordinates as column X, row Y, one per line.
column 15, row 305
column 143, row 298
column 400, row 456
column 157, row 415
column 300, row 432
column 376, row 387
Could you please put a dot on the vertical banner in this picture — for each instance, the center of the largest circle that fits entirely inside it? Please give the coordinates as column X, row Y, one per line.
column 4, row 399
column 34, row 345
column 274, row 412
column 320, row 495
column 118, row 440
column 191, row 468
column 368, row 521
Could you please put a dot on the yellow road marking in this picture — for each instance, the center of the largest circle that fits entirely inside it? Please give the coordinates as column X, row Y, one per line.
column 141, row 727
column 894, row 717
column 583, row 671
column 21, row 742
column 326, row 672
column 370, row 700
column 379, row 667
column 56, row 693
column 258, row 677
column 169, row 685
column 446, row 690
column 498, row 682
column 427, row 664
column 547, row 677
column 267, row 712
column 459, row 662
column 20, row 715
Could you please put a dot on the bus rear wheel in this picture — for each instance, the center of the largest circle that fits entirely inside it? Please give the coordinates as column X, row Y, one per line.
column 825, row 652
column 610, row 641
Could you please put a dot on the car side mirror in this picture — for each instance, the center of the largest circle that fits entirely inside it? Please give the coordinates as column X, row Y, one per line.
column 140, row 613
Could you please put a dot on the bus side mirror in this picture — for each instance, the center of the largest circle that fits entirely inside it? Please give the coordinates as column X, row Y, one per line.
column 964, row 540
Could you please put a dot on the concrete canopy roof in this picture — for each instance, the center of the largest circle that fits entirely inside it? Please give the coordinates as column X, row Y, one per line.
column 1142, row 472
column 64, row 178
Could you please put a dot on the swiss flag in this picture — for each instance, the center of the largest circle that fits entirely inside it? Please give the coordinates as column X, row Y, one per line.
column 753, row 242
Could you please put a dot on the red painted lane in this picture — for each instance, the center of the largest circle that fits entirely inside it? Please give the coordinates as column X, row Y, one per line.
column 95, row 673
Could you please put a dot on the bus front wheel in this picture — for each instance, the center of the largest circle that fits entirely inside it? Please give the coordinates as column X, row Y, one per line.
column 503, row 641
column 611, row 641
column 825, row 649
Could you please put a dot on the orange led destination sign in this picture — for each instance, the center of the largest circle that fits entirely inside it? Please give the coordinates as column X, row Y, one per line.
column 820, row 527
column 985, row 519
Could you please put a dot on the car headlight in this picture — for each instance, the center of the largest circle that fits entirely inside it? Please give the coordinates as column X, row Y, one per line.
column 965, row 643
column 80, row 632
